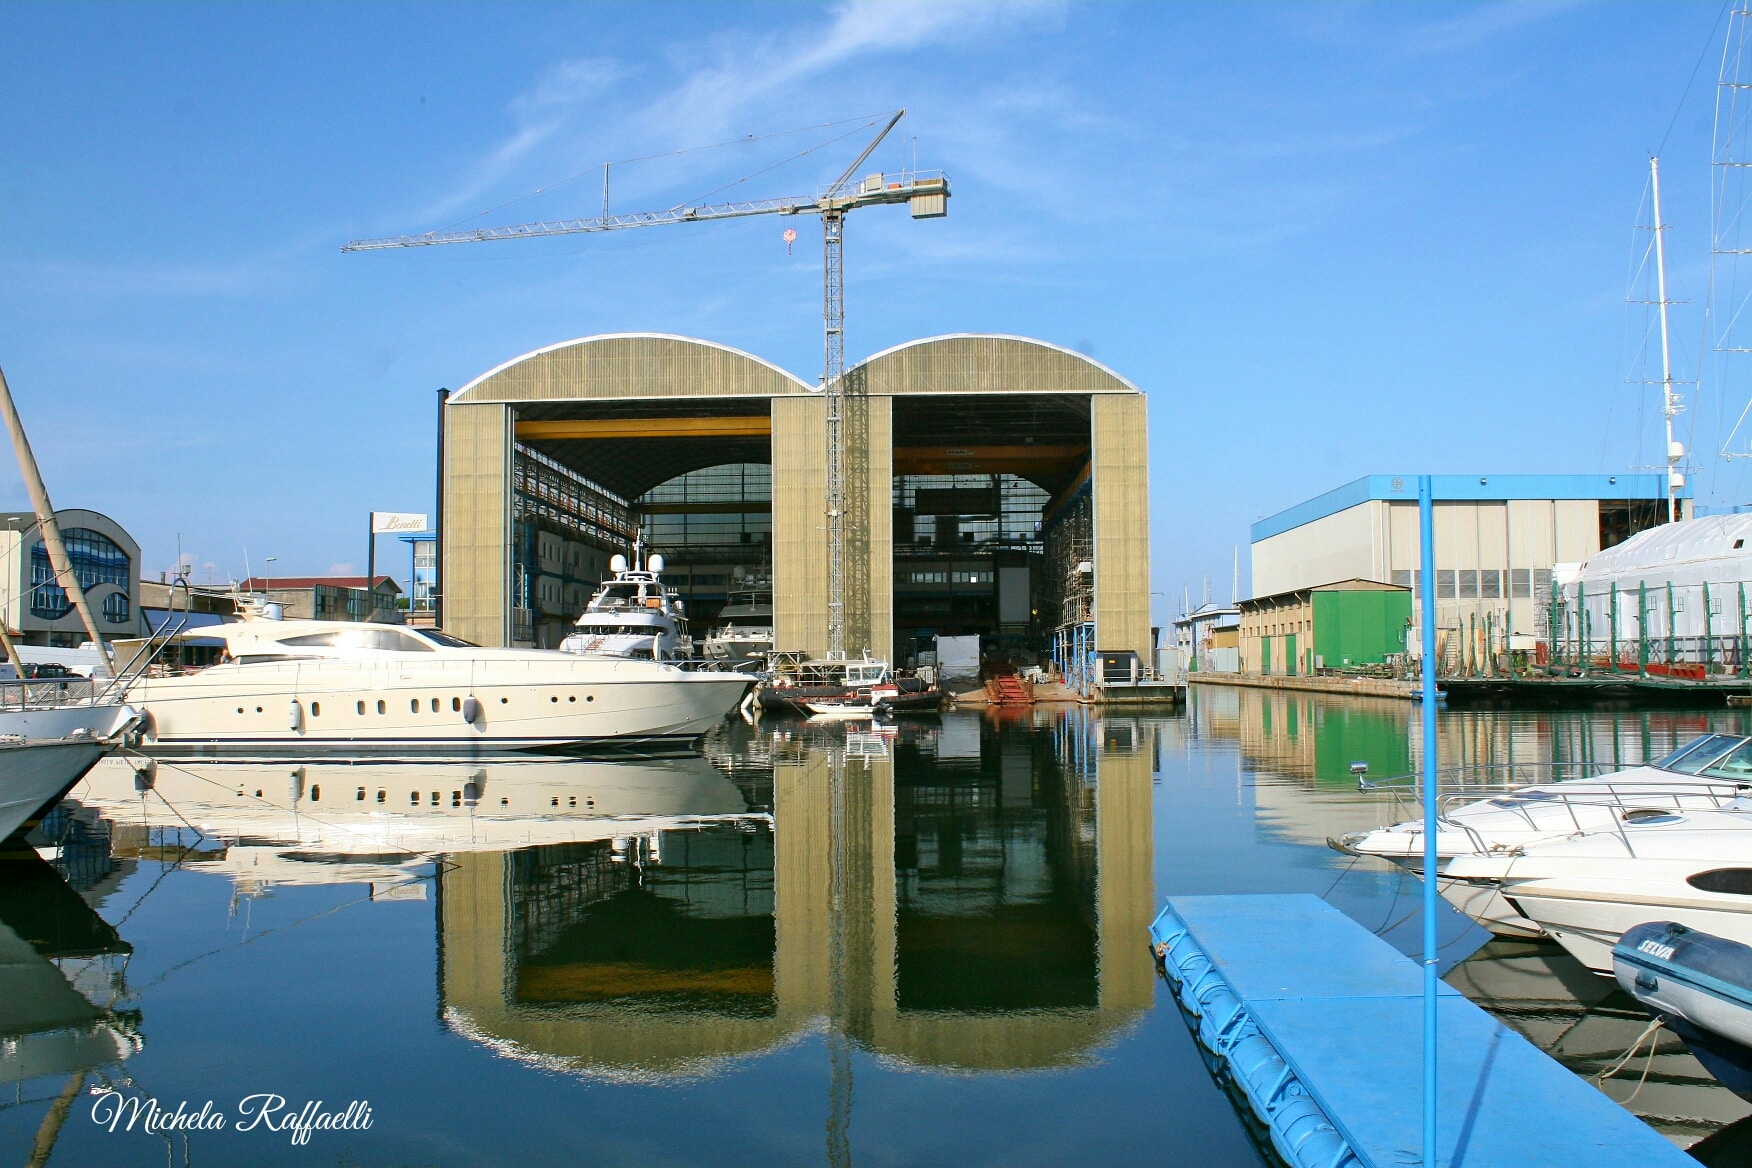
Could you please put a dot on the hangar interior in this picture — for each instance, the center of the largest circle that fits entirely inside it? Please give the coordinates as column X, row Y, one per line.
column 971, row 488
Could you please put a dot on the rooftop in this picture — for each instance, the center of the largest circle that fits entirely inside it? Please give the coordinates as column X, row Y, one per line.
column 1464, row 488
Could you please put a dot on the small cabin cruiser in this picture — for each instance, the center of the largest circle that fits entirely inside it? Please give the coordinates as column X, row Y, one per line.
column 633, row 614
column 1708, row 772
column 745, row 629
column 1584, row 891
column 356, row 686
column 862, row 682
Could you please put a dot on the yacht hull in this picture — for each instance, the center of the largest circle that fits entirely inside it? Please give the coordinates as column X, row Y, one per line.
column 54, row 750
column 562, row 703
column 1588, row 918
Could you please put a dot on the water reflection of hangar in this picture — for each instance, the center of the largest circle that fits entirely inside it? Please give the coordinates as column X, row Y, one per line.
column 980, row 470
column 995, row 889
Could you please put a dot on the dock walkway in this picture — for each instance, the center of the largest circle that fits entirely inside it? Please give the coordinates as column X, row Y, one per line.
column 1319, row 1023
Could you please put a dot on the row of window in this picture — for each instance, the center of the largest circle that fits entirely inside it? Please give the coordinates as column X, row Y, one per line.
column 95, row 559
column 959, row 576
column 1477, row 583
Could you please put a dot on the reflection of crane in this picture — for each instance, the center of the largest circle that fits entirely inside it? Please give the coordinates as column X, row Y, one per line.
column 925, row 193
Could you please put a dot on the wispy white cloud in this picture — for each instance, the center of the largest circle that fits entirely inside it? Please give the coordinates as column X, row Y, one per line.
column 1483, row 23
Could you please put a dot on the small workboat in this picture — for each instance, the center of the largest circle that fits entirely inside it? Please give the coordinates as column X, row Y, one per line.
column 841, row 711
column 1700, row 986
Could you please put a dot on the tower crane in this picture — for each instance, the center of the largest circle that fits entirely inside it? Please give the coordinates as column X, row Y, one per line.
column 926, row 194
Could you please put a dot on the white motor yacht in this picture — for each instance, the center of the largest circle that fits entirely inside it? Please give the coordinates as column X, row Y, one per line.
column 44, row 751
column 1708, row 772
column 633, row 614
column 745, row 629
column 1692, row 867
column 341, row 686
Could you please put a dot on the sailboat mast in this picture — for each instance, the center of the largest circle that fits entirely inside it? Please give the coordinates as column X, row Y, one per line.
column 1669, row 399
column 45, row 512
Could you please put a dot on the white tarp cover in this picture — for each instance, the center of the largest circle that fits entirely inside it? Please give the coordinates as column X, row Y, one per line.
column 957, row 657
column 1715, row 550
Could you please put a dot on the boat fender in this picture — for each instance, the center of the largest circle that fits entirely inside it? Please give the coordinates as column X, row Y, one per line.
column 471, row 709
column 147, row 727
column 295, row 718
column 145, row 774
column 471, row 790
column 295, row 785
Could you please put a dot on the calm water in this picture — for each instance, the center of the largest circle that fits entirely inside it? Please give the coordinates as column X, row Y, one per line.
column 801, row 948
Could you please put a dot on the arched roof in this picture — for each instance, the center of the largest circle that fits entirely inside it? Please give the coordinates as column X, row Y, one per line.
column 631, row 365
column 983, row 363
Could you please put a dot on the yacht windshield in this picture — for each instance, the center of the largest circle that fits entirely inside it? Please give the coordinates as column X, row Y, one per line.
column 1699, row 753
column 384, row 639
column 445, row 639
column 1738, row 764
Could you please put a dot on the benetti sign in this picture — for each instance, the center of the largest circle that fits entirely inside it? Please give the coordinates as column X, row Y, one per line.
column 384, row 522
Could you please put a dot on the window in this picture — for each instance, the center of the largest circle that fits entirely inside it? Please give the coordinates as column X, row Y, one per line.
column 392, row 640
column 94, row 558
column 445, row 639
column 116, row 609
column 1445, row 584
column 928, row 577
column 1402, row 578
column 1469, row 584
column 1520, row 582
column 1490, row 583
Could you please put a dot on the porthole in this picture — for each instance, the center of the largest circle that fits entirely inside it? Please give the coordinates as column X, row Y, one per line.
column 315, row 792
column 555, row 698
column 1650, row 816
column 316, row 709
column 504, row 701
column 413, row 705
column 434, row 705
column 456, row 798
column 1735, row 881
column 455, row 704
column 572, row 801
column 240, row 709
column 504, row 802
column 434, row 798
column 589, row 697
column 361, row 707
column 382, row 795
column 573, row 698
column 381, row 708
column 555, row 801
column 258, row 709
column 589, row 802
column 361, row 796
column 258, row 794
column 414, row 797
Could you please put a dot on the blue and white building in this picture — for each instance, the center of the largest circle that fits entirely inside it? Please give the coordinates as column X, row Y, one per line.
column 1498, row 539
column 104, row 556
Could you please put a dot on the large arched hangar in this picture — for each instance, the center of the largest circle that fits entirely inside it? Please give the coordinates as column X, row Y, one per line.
column 985, row 477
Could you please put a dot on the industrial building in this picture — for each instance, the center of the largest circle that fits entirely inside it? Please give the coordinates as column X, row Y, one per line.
column 1498, row 538
column 995, row 486
column 1331, row 626
column 104, row 557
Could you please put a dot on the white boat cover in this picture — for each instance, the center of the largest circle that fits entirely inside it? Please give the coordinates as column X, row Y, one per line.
column 1714, row 550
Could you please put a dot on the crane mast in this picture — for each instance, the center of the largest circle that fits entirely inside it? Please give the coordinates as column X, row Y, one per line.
column 926, row 194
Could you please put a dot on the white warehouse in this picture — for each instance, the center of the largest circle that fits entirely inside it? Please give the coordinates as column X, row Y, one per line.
column 1498, row 537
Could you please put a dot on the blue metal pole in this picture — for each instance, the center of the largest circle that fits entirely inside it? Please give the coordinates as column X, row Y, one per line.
column 1426, row 514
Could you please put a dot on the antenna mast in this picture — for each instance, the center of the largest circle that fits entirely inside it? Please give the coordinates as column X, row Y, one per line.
column 1670, row 404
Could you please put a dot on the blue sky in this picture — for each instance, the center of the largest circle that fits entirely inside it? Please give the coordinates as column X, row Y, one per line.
column 1327, row 240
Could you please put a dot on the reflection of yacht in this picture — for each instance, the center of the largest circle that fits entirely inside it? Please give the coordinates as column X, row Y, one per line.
column 745, row 629
column 351, row 686
column 633, row 614
column 290, row 822
column 52, row 946
column 43, row 752
column 1707, row 772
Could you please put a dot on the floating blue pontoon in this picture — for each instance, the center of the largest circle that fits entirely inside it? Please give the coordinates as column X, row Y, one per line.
column 1319, row 1024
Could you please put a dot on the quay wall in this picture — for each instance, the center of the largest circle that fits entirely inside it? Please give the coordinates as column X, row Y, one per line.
column 1372, row 687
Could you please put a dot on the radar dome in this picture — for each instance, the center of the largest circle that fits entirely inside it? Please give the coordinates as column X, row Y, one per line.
column 618, row 564
column 655, row 563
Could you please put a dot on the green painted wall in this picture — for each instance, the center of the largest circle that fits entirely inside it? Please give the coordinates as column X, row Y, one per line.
column 1359, row 628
